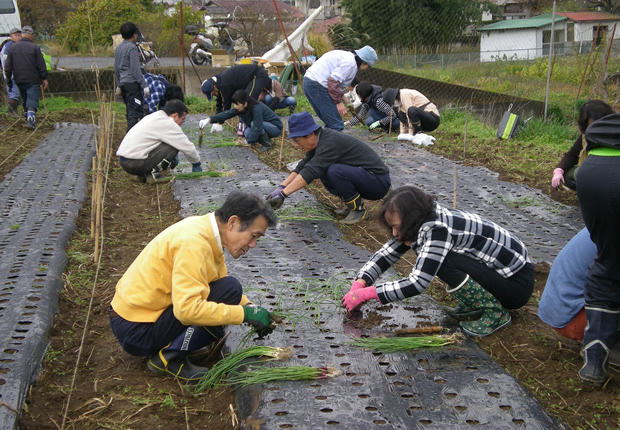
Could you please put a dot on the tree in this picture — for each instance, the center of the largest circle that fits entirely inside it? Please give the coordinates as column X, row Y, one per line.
column 95, row 21
column 611, row 6
column 44, row 16
column 421, row 25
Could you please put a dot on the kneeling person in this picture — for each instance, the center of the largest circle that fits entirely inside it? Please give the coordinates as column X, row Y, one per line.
column 486, row 268
column 150, row 148
column 176, row 296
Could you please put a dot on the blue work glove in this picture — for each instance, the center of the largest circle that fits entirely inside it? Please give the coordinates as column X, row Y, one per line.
column 197, row 167
column 276, row 192
column 374, row 125
column 276, row 202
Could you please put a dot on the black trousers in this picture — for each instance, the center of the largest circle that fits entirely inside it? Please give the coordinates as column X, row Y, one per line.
column 156, row 156
column 599, row 199
column 512, row 292
column 133, row 98
column 421, row 120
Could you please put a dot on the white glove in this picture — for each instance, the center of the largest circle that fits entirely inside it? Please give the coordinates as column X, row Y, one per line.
column 204, row 122
column 217, row 128
column 406, row 136
column 422, row 139
column 118, row 91
column 147, row 92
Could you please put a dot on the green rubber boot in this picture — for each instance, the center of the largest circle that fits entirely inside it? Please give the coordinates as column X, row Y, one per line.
column 474, row 296
column 461, row 310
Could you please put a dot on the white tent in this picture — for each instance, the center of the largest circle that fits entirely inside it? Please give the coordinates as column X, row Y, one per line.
column 297, row 39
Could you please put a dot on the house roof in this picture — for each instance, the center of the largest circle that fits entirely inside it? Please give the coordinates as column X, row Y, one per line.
column 589, row 16
column 322, row 26
column 264, row 7
column 517, row 24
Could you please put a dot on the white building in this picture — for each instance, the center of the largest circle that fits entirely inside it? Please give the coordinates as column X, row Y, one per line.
column 530, row 38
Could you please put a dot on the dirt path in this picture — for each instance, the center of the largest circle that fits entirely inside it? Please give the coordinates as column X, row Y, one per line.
column 544, row 363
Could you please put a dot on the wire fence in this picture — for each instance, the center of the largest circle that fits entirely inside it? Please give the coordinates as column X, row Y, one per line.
column 447, row 43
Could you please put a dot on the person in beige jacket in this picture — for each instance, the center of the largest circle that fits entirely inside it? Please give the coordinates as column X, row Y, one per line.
column 415, row 111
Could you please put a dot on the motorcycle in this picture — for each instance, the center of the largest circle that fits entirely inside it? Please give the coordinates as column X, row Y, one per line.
column 145, row 49
column 200, row 48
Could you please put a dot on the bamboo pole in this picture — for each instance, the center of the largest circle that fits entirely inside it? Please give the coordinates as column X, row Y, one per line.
column 455, row 181
column 282, row 144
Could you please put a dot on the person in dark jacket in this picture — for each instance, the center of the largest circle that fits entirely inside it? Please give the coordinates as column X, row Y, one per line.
column 252, row 78
column 566, row 170
column 263, row 123
column 348, row 167
column 380, row 113
column 26, row 67
column 598, row 191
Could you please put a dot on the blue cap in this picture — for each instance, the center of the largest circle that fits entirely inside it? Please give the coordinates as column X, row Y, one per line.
column 367, row 54
column 301, row 124
column 207, row 88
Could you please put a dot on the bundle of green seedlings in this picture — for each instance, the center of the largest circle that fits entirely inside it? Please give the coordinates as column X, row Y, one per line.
column 196, row 175
column 396, row 344
column 262, row 375
column 304, row 211
column 218, row 372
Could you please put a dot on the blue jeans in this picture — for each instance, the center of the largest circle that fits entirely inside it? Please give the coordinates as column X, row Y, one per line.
column 30, row 93
column 286, row 102
column 323, row 104
column 144, row 339
column 375, row 115
column 251, row 135
column 347, row 181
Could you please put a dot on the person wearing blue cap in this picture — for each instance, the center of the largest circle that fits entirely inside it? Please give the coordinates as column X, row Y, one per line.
column 346, row 166
column 252, row 78
column 328, row 79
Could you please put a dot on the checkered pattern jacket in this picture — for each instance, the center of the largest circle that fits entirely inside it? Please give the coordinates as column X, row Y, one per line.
column 448, row 231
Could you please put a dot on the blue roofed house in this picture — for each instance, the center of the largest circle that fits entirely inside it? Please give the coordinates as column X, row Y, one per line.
column 530, row 38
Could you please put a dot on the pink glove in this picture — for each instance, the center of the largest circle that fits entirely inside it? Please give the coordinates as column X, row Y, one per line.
column 356, row 286
column 354, row 299
column 558, row 176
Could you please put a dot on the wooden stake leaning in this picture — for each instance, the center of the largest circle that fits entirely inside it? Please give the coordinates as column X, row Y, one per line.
column 282, row 143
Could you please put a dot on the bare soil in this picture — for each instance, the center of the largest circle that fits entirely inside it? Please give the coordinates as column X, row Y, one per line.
column 112, row 389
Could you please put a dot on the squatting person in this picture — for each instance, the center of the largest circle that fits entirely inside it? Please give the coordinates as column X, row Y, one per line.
column 175, row 297
column 486, row 268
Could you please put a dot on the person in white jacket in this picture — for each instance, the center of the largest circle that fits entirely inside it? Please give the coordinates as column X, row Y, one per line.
column 150, row 148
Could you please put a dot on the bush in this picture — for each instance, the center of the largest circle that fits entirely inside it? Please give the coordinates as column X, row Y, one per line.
column 99, row 19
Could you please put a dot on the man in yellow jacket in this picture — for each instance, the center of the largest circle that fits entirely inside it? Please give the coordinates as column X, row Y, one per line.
column 176, row 296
